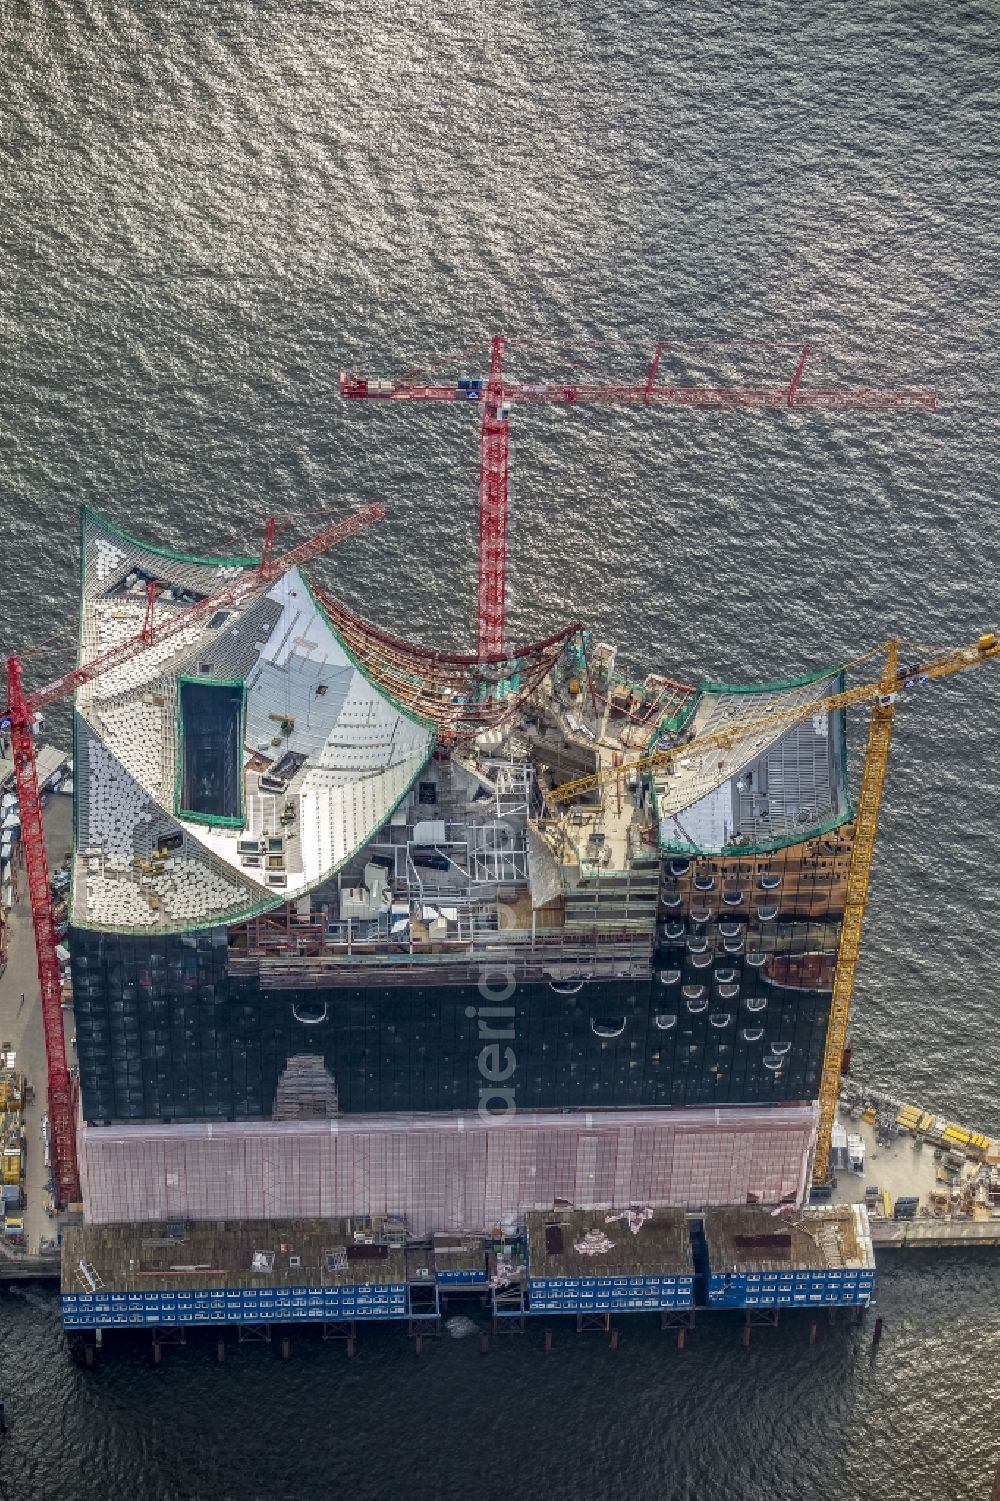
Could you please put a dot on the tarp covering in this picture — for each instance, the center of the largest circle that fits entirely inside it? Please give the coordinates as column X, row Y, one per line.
column 445, row 1172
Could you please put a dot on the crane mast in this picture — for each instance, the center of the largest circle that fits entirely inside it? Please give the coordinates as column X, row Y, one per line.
column 62, row 1105
column 855, row 902
column 19, row 719
column 494, row 452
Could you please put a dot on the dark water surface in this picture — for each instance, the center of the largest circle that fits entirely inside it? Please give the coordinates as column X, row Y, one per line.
column 208, row 209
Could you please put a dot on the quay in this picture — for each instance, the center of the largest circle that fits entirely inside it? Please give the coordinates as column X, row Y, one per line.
column 936, row 1234
column 924, row 1181
column 14, row 1268
column 27, row 1212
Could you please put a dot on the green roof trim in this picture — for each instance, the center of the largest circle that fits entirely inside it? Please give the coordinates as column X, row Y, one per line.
column 267, row 901
column 683, row 847
column 87, row 513
column 674, row 724
column 779, row 687
column 679, row 847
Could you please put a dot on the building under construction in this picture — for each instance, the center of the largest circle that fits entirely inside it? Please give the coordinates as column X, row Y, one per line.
column 337, row 950
column 365, row 934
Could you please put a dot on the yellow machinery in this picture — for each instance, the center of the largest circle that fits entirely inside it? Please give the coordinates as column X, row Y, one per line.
column 882, row 695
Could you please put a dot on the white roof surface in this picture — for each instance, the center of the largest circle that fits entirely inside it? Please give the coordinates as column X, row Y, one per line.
column 303, row 695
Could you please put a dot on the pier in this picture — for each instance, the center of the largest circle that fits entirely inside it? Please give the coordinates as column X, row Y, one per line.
column 14, row 1268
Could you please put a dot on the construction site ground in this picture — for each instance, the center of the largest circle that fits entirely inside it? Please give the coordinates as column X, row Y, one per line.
column 902, row 1168
column 21, row 1026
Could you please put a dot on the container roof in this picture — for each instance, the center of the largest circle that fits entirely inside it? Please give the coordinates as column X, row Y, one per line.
column 206, row 1254
column 607, row 1243
column 757, row 1240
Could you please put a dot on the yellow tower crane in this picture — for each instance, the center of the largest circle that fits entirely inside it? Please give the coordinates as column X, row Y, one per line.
column 883, row 696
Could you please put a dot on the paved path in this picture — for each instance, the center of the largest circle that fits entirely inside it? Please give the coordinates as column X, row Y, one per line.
column 21, row 1023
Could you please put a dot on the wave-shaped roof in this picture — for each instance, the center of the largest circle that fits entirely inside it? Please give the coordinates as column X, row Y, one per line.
column 232, row 767
column 768, row 786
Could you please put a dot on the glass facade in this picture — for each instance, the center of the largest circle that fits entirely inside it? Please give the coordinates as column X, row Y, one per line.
column 164, row 1033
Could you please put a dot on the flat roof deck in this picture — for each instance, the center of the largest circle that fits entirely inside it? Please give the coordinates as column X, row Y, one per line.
column 217, row 1253
column 455, row 1253
column 660, row 1244
column 754, row 1240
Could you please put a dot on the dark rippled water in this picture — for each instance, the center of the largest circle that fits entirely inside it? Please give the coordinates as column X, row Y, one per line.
column 207, row 210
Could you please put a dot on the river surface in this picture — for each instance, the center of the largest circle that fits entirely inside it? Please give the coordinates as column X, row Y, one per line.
column 206, row 211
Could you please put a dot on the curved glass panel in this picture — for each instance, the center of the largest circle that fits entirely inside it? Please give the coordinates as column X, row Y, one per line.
column 309, row 1013
column 603, row 1026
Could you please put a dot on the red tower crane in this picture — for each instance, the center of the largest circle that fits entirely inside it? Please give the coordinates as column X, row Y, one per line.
column 496, row 396
column 19, row 718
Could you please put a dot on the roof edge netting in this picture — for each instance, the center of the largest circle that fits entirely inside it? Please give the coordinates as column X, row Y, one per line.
column 443, row 691
column 785, row 685
column 88, row 514
column 451, row 692
column 830, row 811
column 113, row 565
